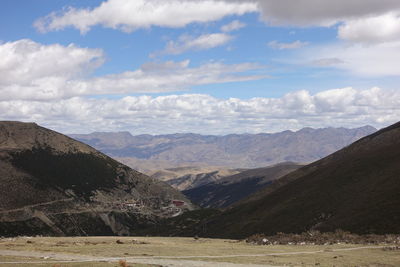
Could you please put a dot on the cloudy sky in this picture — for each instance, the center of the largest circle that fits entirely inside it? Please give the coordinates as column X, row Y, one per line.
column 203, row 66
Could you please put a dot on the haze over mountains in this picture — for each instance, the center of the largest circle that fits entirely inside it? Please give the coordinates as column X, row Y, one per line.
column 148, row 152
column 51, row 184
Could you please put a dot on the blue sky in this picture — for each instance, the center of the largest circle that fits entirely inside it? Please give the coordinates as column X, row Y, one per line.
column 214, row 66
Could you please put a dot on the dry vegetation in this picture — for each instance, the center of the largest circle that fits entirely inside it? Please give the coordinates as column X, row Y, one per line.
column 328, row 238
column 124, row 250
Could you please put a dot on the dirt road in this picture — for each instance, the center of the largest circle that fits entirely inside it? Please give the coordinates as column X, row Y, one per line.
column 172, row 261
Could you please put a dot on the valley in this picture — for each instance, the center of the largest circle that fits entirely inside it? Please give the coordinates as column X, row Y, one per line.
column 200, row 133
column 70, row 189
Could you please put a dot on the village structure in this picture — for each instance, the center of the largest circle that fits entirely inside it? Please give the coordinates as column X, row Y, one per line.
column 174, row 208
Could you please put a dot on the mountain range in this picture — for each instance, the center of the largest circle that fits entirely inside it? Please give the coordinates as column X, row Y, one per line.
column 148, row 153
column 51, row 184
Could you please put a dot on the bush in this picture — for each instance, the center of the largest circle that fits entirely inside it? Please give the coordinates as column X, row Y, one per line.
column 318, row 238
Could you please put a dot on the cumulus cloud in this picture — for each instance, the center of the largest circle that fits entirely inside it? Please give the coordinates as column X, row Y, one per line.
column 29, row 70
column 131, row 15
column 283, row 46
column 376, row 29
column 233, row 26
column 205, row 114
column 189, row 43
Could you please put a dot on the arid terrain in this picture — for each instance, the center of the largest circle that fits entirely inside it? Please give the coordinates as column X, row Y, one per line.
column 146, row 153
column 177, row 251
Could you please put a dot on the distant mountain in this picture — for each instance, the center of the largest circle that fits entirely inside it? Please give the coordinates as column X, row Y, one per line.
column 229, row 190
column 51, row 184
column 355, row 189
column 148, row 152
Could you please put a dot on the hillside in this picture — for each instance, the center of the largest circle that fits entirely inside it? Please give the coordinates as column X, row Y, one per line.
column 156, row 152
column 51, row 184
column 228, row 190
column 355, row 189
column 184, row 178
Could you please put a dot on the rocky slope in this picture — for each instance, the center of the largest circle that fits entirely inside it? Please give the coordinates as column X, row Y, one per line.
column 355, row 189
column 148, row 152
column 51, row 184
column 231, row 189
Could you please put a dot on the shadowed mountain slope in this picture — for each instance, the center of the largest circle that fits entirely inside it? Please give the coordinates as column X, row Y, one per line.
column 355, row 189
column 51, row 184
column 229, row 190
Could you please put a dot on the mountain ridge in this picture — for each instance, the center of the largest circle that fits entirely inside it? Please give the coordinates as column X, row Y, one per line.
column 149, row 153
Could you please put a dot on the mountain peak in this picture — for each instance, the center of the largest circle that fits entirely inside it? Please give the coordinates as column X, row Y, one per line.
column 26, row 135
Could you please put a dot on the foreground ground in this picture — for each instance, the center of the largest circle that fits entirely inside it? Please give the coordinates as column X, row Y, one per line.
column 172, row 251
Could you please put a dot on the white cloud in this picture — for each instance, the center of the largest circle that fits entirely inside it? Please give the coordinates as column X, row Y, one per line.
column 283, row 46
column 347, row 107
column 189, row 43
column 131, row 15
column 377, row 60
column 169, row 77
column 321, row 12
column 29, row 70
column 326, row 62
column 233, row 26
column 359, row 20
column 25, row 60
column 383, row 28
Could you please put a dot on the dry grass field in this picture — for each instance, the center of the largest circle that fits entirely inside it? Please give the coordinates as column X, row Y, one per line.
column 174, row 251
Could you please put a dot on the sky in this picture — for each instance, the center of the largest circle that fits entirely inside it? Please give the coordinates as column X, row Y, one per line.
column 200, row 66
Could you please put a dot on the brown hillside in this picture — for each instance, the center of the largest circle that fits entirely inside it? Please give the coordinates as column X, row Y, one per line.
column 51, row 184
column 355, row 189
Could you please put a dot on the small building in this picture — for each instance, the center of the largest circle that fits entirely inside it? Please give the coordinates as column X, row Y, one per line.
column 178, row 203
